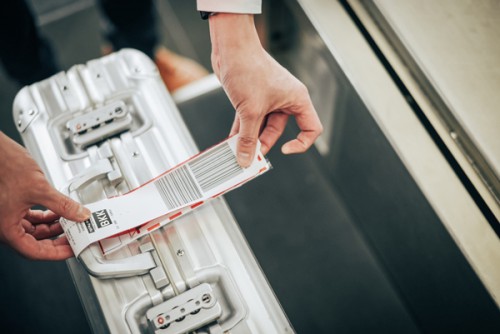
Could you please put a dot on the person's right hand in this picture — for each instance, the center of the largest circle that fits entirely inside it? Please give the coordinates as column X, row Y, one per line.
column 33, row 233
column 262, row 91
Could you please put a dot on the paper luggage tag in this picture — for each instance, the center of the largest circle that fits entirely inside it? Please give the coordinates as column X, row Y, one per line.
column 117, row 221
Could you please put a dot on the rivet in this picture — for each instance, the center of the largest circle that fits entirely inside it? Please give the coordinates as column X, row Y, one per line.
column 19, row 123
column 180, row 252
column 135, row 154
column 31, row 112
column 206, row 298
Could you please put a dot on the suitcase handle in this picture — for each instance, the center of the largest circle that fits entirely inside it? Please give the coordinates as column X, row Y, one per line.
column 99, row 267
column 96, row 265
column 96, row 172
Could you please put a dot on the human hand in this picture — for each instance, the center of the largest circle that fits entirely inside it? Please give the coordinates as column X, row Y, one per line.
column 263, row 93
column 23, row 185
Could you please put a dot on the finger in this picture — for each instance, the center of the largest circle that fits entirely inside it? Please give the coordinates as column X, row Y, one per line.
column 42, row 230
column 308, row 121
column 300, row 144
column 62, row 240
column 46, row 231
column 276, row 123
column 236, row 126
column 41, row 216
column 34, row 249
column 51, row 250
column 247, row 140
column 28, row 227
column 263, row 124
column 63, row 205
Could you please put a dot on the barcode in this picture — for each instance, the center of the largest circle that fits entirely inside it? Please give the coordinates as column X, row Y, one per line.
column 177, row 188
column 215, row 167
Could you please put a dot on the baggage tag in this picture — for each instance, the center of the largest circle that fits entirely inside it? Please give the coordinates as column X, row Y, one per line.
column 117, row 221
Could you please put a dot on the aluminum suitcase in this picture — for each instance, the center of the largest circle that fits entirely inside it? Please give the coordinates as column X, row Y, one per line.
column 196, row 274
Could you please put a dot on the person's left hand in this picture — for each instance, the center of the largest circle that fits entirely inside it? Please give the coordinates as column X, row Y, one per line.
column 33, row 233
column 43, row 226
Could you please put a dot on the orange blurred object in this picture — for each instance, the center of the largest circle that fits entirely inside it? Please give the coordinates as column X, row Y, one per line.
column 177, row 71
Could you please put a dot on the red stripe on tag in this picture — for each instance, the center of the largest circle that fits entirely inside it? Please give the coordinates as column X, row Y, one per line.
column 172, row 217
column 153, row 227
column 259, row 158
column 217, row 195
column 263, row 169
column 196, row 205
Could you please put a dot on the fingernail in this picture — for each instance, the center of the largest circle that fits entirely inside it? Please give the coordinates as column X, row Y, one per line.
column 244, row 159
column 83, row 213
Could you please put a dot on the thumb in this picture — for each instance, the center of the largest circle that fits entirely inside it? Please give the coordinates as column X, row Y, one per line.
column 248, row 135
column 64, row 206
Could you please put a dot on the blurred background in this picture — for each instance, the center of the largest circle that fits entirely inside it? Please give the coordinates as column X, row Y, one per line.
column 347, row 238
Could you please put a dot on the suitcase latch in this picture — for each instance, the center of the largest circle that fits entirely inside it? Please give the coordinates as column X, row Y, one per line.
column 99, row 124
column 186, row 312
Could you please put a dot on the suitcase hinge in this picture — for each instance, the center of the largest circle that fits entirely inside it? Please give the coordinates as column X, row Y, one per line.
column 158, row 274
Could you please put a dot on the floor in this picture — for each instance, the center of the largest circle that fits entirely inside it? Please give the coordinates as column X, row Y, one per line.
column 318, row 263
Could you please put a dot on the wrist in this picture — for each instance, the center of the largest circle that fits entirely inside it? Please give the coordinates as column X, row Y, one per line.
column 232, row 34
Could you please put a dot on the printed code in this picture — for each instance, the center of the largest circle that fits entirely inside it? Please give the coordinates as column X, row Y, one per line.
column 89, row 226
column 177, row 188
column 101, row 218
column 215, row 167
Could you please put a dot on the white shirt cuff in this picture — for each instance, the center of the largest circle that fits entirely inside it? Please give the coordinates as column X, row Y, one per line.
column 230, row 6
